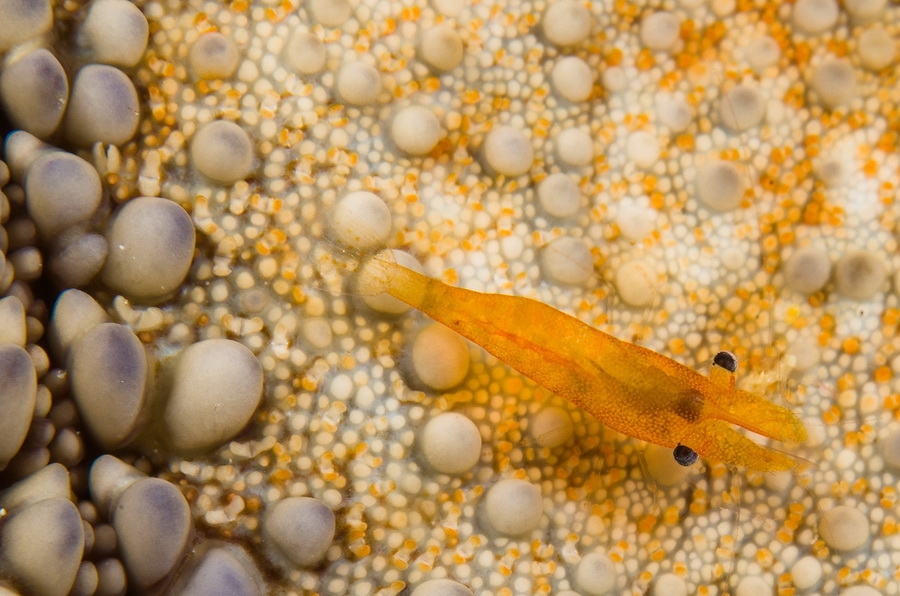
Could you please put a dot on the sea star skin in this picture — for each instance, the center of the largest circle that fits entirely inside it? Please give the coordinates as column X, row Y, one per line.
column 340, row 422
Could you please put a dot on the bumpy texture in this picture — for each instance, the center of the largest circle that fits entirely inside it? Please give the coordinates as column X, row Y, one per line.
column 729, row 173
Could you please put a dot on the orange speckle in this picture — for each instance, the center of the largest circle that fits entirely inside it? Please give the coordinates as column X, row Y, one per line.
column 201, row 22
column 785, row 537
column 470, row 97
column 843, row 575
column 846, row 382
column 892, row 402
column 777, row 156
column 887, row 142
column 615, row 57
column 677, row 346
column 870, row 168
column 501, row 103
column 411, row 13
column 645, row 60
column 832, row 415
column 361, row 551
column 851, row 345
column 857, row 120
column 281, row 476
column 794, row 96
column 685, row 142
column 512, row 385
column 431, row 84
column 646, row 523
column 671, row 516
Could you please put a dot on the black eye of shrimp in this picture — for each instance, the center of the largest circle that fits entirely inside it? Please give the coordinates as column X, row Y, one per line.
column 684, row 455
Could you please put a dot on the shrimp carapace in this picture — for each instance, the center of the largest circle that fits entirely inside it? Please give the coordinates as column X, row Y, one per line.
column 629, row 388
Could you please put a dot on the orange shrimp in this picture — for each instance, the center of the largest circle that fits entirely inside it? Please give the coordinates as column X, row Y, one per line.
column 631, row 389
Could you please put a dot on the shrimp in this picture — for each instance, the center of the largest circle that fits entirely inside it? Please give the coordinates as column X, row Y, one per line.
column 629, row 388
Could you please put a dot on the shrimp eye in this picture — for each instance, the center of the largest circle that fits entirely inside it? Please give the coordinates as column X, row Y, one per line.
column 726, row 360
column 684, row 455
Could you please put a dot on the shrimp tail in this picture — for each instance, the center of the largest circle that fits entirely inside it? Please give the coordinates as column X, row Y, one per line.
column 375, row 274
column 717, row 441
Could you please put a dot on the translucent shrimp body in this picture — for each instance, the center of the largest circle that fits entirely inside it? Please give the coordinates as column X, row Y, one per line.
column 629, row 388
